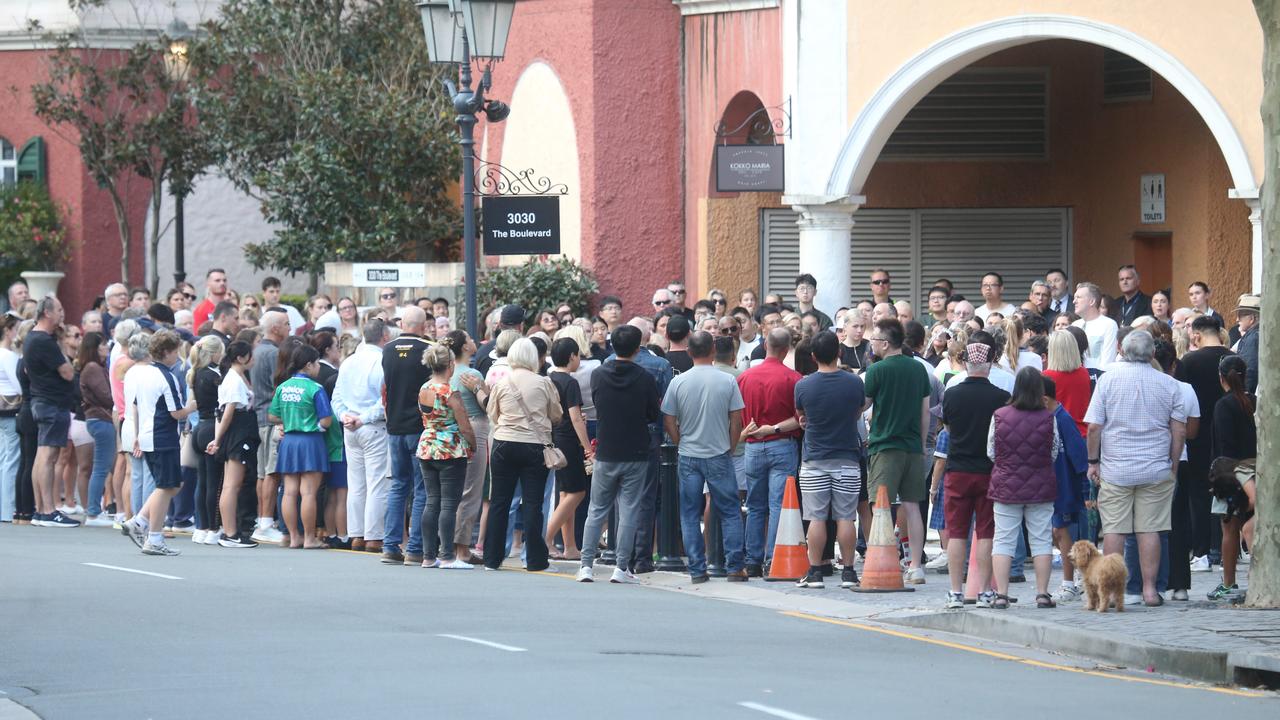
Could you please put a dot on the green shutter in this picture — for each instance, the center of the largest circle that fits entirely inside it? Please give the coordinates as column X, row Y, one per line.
column 31, row 164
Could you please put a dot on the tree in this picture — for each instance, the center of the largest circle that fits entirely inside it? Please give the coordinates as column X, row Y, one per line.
column 330, row 114
column 129, row 116
column 1264, row 573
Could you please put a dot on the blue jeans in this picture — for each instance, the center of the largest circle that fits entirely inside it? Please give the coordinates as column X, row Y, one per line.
column 767, row 464
column 9, row 456
column 141, row 485
column 104, row 457
column 717, row 473
column 1134, row 587
column 406, row 473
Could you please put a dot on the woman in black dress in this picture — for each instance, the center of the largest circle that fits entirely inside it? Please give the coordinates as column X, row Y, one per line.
column 570, row 436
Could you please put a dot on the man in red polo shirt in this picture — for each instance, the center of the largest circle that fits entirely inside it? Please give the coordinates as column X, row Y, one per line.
column 770, row 429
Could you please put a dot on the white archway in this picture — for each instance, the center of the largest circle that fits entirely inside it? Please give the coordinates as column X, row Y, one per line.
column 911, row 82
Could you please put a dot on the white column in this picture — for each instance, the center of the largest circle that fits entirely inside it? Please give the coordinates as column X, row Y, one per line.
column 824, row 250
column 1255, row 225
column 815, row 62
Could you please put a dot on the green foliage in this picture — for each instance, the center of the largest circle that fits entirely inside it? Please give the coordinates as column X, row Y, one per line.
column 331, row 115
column 32, row 233
column 126, row 112
column 538, row 284
column 299, row 302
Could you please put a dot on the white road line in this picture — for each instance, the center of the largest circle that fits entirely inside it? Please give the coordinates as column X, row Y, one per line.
column 131, row 570
column 776, row 712
column 486, row 643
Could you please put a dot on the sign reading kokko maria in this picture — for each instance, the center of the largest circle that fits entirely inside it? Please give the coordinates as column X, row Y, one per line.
column 388, row 275
column 521, row 225
column 749, row 168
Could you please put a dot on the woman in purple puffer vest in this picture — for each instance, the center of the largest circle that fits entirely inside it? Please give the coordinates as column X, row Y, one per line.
column 1023, row 442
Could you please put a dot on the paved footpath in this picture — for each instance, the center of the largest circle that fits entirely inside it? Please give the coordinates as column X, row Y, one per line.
column 1199, row 639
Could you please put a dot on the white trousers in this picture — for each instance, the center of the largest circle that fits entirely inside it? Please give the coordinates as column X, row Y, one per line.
column 368, row 481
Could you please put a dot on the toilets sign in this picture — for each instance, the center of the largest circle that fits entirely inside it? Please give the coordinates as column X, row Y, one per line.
column 1153, row 199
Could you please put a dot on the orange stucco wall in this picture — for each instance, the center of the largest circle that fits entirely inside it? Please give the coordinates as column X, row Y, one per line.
column 1097, row 154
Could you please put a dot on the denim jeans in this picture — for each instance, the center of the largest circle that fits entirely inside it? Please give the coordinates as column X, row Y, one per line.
column 9, row 455
column 141, row 485
column 1131, row 562
column 406, row 474
column 767, row 464
column 104, row 457
column 443, row 480
column 717, row 473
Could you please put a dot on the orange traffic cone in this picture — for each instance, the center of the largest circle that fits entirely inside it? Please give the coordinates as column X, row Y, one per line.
column 790, row 553
column 880, row 570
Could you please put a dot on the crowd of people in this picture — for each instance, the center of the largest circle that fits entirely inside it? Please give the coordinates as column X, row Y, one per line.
column 1016, row 427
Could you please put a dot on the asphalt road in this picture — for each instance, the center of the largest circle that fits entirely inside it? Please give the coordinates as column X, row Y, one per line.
column 321, row 634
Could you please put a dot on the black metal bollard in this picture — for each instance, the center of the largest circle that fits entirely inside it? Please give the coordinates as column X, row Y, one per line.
column 610, row 554
column 670, row 558
column 715, row 546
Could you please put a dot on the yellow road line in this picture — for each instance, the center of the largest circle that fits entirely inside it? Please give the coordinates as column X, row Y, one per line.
column 1025, row 661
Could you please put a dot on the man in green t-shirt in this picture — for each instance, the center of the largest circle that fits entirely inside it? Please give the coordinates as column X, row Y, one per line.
column 898, row 388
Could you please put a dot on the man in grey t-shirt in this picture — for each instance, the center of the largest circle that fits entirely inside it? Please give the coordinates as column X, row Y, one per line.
column 275, row 330
column 702, row 413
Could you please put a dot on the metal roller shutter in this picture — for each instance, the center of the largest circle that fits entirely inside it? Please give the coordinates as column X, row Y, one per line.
column 1020, row 244
column 919, row 246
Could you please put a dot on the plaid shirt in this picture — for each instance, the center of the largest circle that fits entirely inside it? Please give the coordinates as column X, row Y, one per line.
column 1134, row 403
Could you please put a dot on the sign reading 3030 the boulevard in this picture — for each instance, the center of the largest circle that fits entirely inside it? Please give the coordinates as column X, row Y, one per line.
column 515, row 225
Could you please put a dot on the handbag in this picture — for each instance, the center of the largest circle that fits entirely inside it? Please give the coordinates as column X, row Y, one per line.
column 10, row 404
column 552, row 457
column 189, row 456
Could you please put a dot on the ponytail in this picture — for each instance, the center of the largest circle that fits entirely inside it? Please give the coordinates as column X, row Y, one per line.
column 1012, row 340
column 1232, row 369
column 236, row 351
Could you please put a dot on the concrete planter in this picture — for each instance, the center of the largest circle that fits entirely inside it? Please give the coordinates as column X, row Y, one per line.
column 43, row 282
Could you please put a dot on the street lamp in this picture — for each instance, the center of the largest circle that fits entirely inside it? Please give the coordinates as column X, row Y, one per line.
column 458, row 31
column 176, row 65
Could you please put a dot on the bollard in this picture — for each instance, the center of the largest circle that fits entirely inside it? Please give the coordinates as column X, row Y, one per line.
column 669, row 557
column 715, row 546
column 610, row 554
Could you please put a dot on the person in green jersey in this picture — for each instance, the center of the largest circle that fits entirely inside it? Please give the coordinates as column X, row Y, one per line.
column 301, row 406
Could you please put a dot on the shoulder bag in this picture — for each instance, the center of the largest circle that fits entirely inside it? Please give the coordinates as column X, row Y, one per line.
column 552, row 457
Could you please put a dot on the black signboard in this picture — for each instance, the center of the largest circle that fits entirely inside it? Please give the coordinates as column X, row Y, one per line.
column 515, row 225
column 749, row 168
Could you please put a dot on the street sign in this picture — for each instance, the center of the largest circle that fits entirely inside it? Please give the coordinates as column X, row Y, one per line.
column 750, row 168
column 517, row 225
column 388, row 275
column 1153, row 199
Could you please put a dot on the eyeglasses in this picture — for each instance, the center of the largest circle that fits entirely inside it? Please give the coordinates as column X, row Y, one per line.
column 876, row 339
column 189, row 296
column 344, row 308
column 729, row 330
column 387, row 296
column 660, row 303
column 991, row 286
column 884, row 281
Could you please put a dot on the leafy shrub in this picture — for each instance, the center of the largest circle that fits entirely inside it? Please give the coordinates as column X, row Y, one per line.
column 537, row 284
column 32, row 233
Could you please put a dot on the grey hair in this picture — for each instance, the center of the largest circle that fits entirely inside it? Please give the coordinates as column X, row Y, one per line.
column 1094, row 291
column 46, row 306
column 139, row 346
column 124, row 330
column 1138, row 347
column 375, row 331
column 1041, row 283
column 505, row 340
column 523, row 354
column 132, row 313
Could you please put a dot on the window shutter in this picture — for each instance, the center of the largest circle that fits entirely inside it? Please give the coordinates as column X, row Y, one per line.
column 1020, row 244
column 1124, row 78
column 31, row 163
column 883, row 239
column 780, row 250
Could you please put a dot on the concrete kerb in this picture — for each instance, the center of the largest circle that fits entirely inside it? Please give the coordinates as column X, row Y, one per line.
column 1202, row 665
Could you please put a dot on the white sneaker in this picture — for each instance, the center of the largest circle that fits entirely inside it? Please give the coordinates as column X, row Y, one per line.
column 623, row 577
column 585, row 575
column 1132, row 600
column 77, row 510
column 456, row 564
column 938, row 563
column 267, row 534
column 67, row 510
column 103, row 520
column 197, row 536
column 1068, row 593
column 1200, row 564
column 914, row 577
column 432, row 563
column 211, row 537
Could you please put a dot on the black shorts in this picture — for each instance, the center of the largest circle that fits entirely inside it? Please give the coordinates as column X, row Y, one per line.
column 240, row 442
column 53, row 423
column 165, row 467
column 572, row 478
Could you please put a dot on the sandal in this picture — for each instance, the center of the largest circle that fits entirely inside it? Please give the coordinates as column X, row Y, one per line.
column 1001, row 602
column 1045, row 600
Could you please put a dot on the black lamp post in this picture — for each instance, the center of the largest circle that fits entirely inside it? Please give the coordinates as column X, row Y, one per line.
column 459, row 31
column 175, row 63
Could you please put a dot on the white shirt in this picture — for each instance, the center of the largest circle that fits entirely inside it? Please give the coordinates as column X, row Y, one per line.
column 9, row 372
column 296, row 320
column 982, row 311
column 999, row 377
column 745, row 348
column 233, row 389
column 1102, row 340
column 1026, row 358
column 358, row 389
column 1192, row 404
column 144, row 389
column 1135, row 403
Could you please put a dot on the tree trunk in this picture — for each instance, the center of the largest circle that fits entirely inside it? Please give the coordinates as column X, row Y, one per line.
column 122, row 225
column 1264, row 573
column 153, row 243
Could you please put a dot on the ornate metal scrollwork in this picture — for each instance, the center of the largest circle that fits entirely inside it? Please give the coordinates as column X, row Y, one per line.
column 494, row 179
column 766, row 122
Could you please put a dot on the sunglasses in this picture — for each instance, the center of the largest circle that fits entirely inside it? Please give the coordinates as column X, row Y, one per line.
column 880, row 282
column 387, row 296
column 681, row 291
column 729, row 330
column 661, row 302
column 189, row 296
